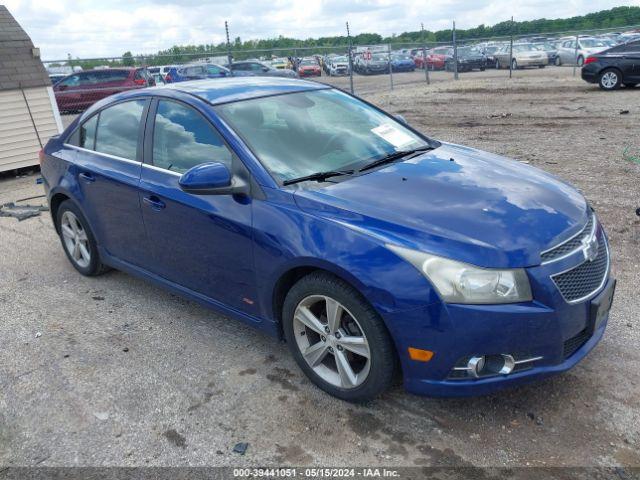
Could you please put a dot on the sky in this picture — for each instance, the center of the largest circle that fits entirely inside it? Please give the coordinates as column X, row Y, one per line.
column 89, row 29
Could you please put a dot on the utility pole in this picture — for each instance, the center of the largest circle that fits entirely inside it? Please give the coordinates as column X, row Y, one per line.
column 455, row 53
column 511, row 51
column 424, row 55
column 229, row 57
column 350, row 60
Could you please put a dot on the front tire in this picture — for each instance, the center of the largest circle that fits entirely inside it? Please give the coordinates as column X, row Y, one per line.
column 610, row 79
column 580, row 61
column 558, row 61
column 514, row 64
column 338, row 340
column 77, row 239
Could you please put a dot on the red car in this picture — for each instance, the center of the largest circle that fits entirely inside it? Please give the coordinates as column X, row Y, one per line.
column 79, row 91
column 436, row 58
column 309, row 68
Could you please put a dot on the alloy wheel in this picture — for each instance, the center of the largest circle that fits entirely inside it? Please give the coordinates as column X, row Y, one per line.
column 75, row 239
column 609, row 80
column 331, row 341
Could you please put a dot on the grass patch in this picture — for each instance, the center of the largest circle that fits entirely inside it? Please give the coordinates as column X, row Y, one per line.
column 631, row 154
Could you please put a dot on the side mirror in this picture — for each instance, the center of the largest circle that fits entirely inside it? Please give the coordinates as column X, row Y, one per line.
column 212, row 178
column 401, row 119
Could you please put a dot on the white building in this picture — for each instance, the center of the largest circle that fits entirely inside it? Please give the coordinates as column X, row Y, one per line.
column 28, row 109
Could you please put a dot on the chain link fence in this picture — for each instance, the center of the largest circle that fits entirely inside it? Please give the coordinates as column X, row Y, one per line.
column 78, row 83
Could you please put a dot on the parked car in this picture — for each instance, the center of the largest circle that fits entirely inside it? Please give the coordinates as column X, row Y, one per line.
column 161, row 69
column 568, row 54
column 550, row 49
column 56, row 77
column 402, row 63
column 469, row 59
column 436, row 58
column 197, row 71
column 614, row 67
column 376, row 63
column 524, row 55
column 259, row 69
column 78, row 91
column 339, row 66
column 489, row 52
column 313, row 215
column 280, row 63
column 308, row 67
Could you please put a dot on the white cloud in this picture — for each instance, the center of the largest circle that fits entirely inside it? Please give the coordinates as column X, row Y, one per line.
column 111, row 27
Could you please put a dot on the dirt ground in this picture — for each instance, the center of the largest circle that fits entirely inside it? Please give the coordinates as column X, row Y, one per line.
column 114, row 371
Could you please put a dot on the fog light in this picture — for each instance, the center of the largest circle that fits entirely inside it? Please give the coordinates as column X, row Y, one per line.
column 475, row 365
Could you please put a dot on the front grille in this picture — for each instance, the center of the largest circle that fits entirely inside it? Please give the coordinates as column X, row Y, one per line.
column 572, row 345
column 570, row 245
column 586, row 278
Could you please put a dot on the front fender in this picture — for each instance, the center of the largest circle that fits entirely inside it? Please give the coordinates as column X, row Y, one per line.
column 285, row 237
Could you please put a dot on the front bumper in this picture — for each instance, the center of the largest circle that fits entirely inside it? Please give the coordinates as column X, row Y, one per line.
column 532, row 62
column 559, row 332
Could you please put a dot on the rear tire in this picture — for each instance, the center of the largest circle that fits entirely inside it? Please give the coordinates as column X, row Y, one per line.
column 580, row 61
column 78, row 241
column 514, row 64
column 610, row 79
column 370, row 370
column 558, row 61
column 498, row 67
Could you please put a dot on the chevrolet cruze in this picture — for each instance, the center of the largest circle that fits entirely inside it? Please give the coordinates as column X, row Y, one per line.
column 316, row 217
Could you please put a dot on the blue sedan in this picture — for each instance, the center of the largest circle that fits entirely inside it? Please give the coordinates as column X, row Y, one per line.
column 316, row 217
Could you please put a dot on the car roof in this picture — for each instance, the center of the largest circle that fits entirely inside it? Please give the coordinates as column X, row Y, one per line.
column 225, row 90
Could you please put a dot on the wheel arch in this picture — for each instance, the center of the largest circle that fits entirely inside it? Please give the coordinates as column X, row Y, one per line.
column 288, row 278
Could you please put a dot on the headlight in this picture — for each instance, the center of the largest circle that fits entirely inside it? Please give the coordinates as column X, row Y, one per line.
column 459, row 282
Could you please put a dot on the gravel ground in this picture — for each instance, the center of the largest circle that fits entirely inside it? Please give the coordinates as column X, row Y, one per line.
column 114, row 371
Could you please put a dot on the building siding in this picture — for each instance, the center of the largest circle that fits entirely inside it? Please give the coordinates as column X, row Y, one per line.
column 19, row 143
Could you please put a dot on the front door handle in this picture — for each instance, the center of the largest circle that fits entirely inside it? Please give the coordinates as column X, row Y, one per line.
column 154, row 202
column 87, row 177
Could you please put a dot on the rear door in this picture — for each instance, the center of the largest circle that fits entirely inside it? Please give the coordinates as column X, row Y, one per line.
column 108, row 159
column 202, row 242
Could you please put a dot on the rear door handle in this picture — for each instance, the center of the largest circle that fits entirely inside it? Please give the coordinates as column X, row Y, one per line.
column 87, row 177
column 154, row 202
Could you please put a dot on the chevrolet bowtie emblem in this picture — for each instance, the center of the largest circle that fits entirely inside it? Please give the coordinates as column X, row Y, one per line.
column 590, row 248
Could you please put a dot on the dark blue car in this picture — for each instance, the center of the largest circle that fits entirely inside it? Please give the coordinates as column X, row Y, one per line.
column 402, row 63
column 196, row 71
column 318, row 218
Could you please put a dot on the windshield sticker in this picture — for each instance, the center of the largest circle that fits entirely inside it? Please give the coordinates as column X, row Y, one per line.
column 392, row 135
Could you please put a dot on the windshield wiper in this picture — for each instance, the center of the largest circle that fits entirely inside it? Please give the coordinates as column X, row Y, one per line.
column 318, row 176
column 396, row 156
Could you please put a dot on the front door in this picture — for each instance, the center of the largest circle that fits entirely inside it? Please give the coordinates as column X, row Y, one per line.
column 202, row 242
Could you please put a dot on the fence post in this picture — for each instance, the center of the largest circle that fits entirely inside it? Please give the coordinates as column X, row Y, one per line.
column 511, row 51
column 350, row 60
column 229, row 57
column 424, row 55
column 390, row 66
column 575, row 55
column 455, row 53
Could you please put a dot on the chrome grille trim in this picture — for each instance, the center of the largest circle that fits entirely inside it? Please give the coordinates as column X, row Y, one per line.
column 592, row 222
column 605, row 277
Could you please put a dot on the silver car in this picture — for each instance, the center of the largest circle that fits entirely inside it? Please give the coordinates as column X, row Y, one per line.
column 524, row 55
column 568, row 54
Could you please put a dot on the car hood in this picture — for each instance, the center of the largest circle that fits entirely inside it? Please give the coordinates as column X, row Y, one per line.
column 456, row 202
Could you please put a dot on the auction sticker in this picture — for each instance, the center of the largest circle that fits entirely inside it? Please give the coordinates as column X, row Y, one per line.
column 392, row 135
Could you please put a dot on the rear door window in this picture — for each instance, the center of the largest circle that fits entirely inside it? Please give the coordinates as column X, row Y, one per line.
column 182, row 138
column 119, row 129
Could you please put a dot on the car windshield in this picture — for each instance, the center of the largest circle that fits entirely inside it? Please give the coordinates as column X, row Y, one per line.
column 401, row 57
column 302, row 133
column 340, row 59
column 308, row 63
column 592, row 43
column 379, row 58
